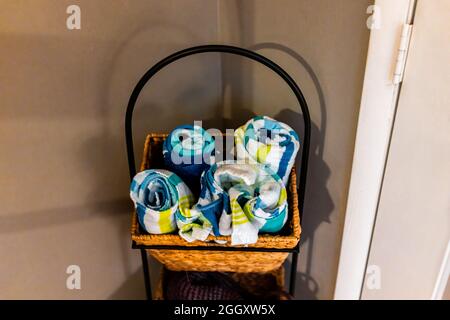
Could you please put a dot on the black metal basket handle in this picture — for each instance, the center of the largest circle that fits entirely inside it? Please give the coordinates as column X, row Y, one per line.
column 240, row 52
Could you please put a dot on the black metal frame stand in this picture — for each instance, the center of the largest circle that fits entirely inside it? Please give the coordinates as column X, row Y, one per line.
column 304, row 149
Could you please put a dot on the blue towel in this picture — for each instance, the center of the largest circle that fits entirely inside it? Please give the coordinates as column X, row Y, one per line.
column 188, row 151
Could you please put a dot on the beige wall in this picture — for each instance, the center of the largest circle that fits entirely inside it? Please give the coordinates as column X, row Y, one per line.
column 413, row 221
column 64, row 180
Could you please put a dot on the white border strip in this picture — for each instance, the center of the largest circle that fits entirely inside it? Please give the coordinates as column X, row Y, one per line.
column 443, row 277
column 375, row 122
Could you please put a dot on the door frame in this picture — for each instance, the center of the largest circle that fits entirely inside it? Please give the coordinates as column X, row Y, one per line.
column 375, row 122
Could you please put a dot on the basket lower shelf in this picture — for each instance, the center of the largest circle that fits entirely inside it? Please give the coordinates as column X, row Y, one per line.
column 255, row 283
column 181, row 260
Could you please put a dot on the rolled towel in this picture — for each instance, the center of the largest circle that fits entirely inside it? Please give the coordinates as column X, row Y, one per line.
column 242, row 200
column 188, row 151
column 159, row 195
column 269, row 142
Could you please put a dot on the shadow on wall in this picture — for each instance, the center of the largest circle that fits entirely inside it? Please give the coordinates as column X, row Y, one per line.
column 100, row 156
column 130, row 289
column 318, row 203
column 173, row 105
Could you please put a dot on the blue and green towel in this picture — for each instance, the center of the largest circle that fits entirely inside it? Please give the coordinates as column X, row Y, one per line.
column 269, row 142
column 159, row 197
column 188, row 151
column 242, row 200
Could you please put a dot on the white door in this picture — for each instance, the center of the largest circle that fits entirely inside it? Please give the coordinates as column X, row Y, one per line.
column 412, row 226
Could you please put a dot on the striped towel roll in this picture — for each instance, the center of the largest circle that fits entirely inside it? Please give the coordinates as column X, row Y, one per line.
column 242, row 200
column 188, row 151
column 159, row 195
column 270, row 142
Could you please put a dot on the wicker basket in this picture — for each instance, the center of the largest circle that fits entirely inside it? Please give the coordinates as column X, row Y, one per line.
column 259, row 285
column 224, row 261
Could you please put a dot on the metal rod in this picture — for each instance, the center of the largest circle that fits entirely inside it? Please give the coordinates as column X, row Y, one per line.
column 147, row 280
column 211, row 248
column 293, row 276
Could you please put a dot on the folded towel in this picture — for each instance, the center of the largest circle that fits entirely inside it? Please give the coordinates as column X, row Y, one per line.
column 188, row 151
column 159, row 195
column 241, row 200
column 270, row 142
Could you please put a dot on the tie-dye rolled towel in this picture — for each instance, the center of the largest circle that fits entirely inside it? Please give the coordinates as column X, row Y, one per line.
column 269, row 142
column 188, row 151
column 159, row 195
column 242, row 200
